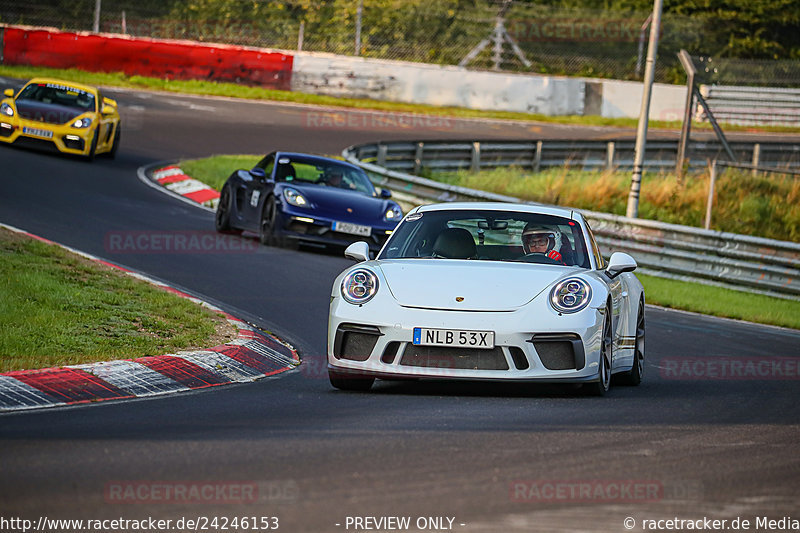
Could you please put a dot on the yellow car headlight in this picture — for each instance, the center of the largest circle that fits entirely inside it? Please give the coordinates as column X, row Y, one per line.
column 81, row 123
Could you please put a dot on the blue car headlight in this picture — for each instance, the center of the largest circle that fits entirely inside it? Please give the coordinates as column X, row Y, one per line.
column 295, row 198
column 81, row 123
column 570, row 295
column 359, row 286
column 6, row 110
column 393, row 214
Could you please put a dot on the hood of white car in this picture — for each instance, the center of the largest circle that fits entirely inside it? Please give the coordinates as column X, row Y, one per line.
column 481, row 285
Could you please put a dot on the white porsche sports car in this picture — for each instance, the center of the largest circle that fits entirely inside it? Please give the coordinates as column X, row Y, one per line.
column 487, row 291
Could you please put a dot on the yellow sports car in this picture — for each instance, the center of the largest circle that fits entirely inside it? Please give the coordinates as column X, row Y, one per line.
column 73, row 118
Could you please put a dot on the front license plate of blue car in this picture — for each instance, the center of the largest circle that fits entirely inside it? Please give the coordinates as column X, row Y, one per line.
column 352, row 229
column 454, row 337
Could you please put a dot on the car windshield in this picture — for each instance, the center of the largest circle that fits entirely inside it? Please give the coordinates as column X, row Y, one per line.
column 55, row 93
column 489, row 235
column 323, row 173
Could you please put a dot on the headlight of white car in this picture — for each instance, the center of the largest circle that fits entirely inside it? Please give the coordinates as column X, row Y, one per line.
column 392, row 214
column 295, row 198
column 6, row 109
column 359, row 286
column 570, row 295
column 82, row 123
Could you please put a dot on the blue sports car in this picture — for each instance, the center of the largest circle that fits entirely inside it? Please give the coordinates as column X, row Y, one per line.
column 288, row 198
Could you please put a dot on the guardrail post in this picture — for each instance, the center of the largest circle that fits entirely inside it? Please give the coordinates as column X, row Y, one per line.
column 475, row 164
column 537, row 157
column 382, row 149
column 756, row 157
column 610, row 148
column 688, row 66
column 714, row 124
column 712, row 179
column 418, row 158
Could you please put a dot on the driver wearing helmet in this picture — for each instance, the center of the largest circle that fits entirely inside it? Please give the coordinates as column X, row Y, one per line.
column 538, row 239
column 84, row 100
column 334, row 178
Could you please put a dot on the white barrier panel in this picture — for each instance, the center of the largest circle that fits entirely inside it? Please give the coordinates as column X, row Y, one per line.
column 437, row 85
column 623, row 99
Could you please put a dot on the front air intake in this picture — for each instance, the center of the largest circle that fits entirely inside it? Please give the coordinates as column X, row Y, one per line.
column 455, row 358
column 354, row 342
column 560, row 351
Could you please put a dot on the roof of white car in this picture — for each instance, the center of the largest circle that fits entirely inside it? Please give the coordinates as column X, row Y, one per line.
column 498, row 206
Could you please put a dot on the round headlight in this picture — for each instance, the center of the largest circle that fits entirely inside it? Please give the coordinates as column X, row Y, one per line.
column 570, row 295
column 82, row 123
column 6, row 109
column 392, row 214
column 359, row 286
column 295, row 198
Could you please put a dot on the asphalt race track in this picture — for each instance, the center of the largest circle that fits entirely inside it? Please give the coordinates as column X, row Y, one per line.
column 492, row 458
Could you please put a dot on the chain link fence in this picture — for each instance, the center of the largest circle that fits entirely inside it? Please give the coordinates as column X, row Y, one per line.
column 585, row 42
column 728, row 71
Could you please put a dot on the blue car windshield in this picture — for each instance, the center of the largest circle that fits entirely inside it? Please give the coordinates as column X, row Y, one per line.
column 489, row 235
column 323, row 173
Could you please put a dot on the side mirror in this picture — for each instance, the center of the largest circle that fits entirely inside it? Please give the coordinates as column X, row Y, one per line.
column 386, row 193
column 618, row 263
column 9, row 92
column 258, row 173
column 358, row 251
column 107, row 110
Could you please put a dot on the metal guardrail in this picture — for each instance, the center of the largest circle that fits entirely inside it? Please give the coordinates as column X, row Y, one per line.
column 437, row 156
column 741, row 262
column 752, row 105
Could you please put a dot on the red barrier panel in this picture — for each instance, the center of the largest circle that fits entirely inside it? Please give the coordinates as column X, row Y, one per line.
column 146, row 57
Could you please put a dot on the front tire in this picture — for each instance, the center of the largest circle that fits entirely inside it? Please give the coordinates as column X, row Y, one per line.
column 268, row 228
column 603, row 383
column 266, row 233
column 92, row 148
column 350, row 383
column 634, row 376
column 115, row 145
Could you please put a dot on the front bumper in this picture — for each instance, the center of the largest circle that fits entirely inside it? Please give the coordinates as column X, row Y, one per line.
column 42, row 135
column 530, row 344
column 304, row 226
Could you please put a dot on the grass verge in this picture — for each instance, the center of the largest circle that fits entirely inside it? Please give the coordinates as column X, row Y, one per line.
column 214, row 170
column 61, row 309
column 209, row 88
column 675, row 294
column 718, row 301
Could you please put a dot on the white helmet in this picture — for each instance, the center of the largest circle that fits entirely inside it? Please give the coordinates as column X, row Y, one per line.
column 534, row 232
